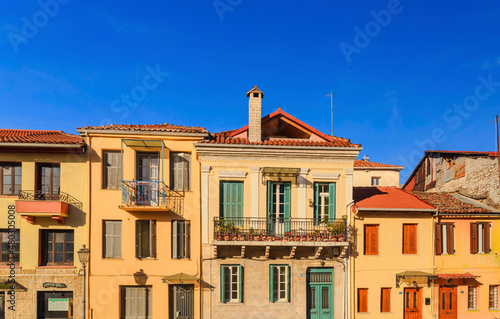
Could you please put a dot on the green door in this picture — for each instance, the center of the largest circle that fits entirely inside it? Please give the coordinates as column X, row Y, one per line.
column 320, row 293
column 278, row 208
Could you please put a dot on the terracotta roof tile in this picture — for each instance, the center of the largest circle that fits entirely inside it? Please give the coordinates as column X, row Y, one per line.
column 362, row 163
column 464, row 152
column 38, row 137
column 389, row 197
column 449, row 204
column 453, row 276
column 146, row 127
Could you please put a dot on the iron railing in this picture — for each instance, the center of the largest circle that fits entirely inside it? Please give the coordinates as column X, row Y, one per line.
column 144, row 193
column 286, row 229
column 38, row 195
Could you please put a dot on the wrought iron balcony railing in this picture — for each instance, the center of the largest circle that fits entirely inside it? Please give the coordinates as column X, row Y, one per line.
column 144, row 193
column 286, row 229
column 38, row 195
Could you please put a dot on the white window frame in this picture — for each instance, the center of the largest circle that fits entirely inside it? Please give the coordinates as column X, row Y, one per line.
column 324, row 201
column 233, row 273
column 472, row 298
column 281, row 279
column 375, row 178
column 493, row 297
column 444, row 239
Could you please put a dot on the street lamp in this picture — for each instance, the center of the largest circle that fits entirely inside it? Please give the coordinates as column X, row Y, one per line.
column 83, row 255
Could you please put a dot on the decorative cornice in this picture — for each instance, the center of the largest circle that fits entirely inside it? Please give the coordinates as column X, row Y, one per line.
column 325, row 176
column 232, row 174
column 206, row 169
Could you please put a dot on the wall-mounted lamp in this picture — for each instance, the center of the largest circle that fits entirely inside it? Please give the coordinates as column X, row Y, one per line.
column 311, row 203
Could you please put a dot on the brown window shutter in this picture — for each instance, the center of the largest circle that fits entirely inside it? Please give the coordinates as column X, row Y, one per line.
column 409, row 239
column 385, row 303
column 413, row 239
column 473, row 238
column 451, row 238
column 375, row 240
column 438, row 244
column 371, row 240
column 487, row 246
column 362, row 299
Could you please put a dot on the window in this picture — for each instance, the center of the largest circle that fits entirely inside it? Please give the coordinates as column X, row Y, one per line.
column 362, row 299
column 472, row 298
column 112, row 232
column 231, row 283
column 375, row 181
column 445, row 239
column 371, row 240
column 57, row 247
column 385, row 300
column 10, row 178
column 409, row 238
column 48, row 180
column 181, row 231
column 145, row 238
column 494, row 297
column 480, row 238
column 231, row 200
column 111, row 169
column 278, row 207
column 136, row 302
column 279, row 283
column 180, row 171
column 324, row 199
column 5, row 248
column 55, row 304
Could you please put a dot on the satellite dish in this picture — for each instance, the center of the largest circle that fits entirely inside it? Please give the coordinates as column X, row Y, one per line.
column 366, row 158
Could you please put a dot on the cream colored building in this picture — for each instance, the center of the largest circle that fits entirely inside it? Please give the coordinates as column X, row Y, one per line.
column 145, row 221
column 368, row 173
column 275, row 215
column 43, row 223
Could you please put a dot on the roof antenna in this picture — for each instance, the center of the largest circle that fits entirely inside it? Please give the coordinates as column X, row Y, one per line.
column 331, row 107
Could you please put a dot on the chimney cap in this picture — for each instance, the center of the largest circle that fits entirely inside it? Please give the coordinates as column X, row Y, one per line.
column 255, row 89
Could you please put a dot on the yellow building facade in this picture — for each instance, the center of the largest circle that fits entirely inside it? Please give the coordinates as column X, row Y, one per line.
column 145, row 221
column 43, row 223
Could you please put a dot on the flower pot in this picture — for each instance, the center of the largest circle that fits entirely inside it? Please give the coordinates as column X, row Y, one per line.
column 226, row 237
column 341, row 238
column 257, row 238
column 251, row 238
column 297, row 238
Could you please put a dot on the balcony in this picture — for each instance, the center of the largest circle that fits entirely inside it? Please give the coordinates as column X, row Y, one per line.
column 151, row 196
column 33, row 204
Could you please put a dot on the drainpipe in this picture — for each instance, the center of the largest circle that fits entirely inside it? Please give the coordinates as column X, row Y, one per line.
column 89, row 152
column 347, row 276
column 433, row 260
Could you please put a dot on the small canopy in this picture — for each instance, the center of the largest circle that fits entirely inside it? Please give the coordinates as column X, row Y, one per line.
column 415, row 277
column 180, row 278
column 143, row 143
column 455, row 276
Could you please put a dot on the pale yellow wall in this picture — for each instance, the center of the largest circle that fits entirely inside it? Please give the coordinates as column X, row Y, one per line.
column 487, row 266
column 363, row 177
column 379, row 271
column 108, row 274
column 73, row 181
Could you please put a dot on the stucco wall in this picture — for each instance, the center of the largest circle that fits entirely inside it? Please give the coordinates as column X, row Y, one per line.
column 363, row 177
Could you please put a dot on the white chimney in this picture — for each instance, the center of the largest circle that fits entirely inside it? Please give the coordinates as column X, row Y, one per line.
column 255, row 97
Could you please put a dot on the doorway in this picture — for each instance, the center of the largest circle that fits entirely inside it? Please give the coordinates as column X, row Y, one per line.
column 320, row 293
column 147, row 173
column 413, row 303
column 181, row 301
column 448, row 302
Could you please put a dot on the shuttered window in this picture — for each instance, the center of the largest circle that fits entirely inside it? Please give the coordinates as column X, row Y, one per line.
column 480, row 238
column 231, row 201
column 112, row 246
column 279, row 283
column 445, row 238
column 111, row 169
column 385, row 300
column 409, row 238
column 231, row 283
column 180, row 171
column 324, row 201
column 362, row 299
column 181, row 234
column 371, row 239
column 136, row 302
column 145, row 242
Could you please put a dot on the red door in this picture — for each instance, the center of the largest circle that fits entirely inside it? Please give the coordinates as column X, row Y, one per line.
column 413, row 303
column 447, row 302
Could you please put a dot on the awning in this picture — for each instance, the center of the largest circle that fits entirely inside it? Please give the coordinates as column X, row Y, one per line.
column 457, row 276
column 415, row 278
column 280, row 172
column 143, row 143
column 181, row 278
column 6, row 285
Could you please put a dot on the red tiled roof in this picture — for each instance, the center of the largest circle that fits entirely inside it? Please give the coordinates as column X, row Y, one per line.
column 228, row 137
column 362, row 163
column 38, row 137
column 465, row 152
column 146, row 127
column 449, row 204
column 453, row 276
column 389, row 197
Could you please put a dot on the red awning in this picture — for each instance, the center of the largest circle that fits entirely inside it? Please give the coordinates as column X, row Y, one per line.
column 455, row 276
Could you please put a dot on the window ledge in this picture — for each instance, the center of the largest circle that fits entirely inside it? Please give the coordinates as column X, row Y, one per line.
column 8, row 196
column 146, row 258
column 473, row 310
column 110, row 258
column 55, row 267
column 5, row 266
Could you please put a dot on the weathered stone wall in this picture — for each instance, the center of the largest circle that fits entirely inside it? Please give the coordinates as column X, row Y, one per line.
column 31, row 281
column 481, row 180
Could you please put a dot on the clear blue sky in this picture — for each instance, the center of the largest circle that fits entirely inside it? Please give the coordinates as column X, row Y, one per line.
column 394, row 86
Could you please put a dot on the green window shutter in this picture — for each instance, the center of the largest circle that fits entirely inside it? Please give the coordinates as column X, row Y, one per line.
column 239, row 199
column 240, row 282
column 269, row 205
column 331, row 204
column 316, row 203
column 271, row 283
column 287, row 206
column 288, row 281
column 231, row 199
column 222, row 283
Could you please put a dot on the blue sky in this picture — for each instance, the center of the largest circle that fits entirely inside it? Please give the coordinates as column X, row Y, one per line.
column 401, row 71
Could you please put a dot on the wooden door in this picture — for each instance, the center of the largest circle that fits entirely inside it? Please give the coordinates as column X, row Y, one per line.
column 448, row 302
column 413, row 303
